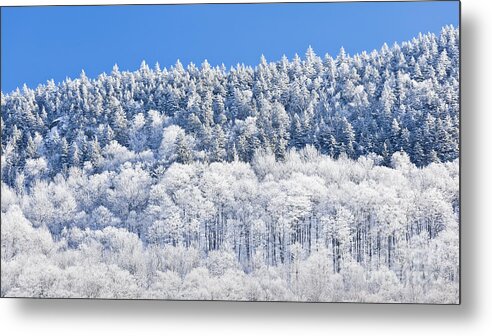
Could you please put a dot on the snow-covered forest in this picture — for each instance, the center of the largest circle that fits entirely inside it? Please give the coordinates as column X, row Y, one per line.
column 310, row 179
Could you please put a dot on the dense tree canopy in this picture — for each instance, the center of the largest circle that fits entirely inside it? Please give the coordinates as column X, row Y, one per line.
column 311, row 179
column 404, row 97
column 310, row 222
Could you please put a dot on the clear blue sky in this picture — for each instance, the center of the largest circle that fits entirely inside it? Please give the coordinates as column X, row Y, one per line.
column 40, row 43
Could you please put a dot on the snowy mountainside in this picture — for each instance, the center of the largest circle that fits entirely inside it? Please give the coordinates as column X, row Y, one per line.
column 313, row 179
column 404, row 97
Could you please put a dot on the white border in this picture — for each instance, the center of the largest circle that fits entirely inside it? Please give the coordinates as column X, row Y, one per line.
column 473, row 317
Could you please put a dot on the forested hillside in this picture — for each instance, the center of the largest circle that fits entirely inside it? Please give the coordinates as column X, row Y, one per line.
column 308, row 228
column 401, row 98
column 312, row 179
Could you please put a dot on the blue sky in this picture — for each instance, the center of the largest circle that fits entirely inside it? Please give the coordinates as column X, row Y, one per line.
column 40, row 43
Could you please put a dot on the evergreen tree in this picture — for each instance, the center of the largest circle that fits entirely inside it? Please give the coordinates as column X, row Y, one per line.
column 120, row 125
column 31, row 149
column 348, row 138
column 75, row 158
column 396, row 136
column 95, row 156
column 218, row 152
column 183, row 151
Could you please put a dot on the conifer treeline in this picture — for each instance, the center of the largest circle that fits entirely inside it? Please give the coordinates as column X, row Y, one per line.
column 404, row 97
